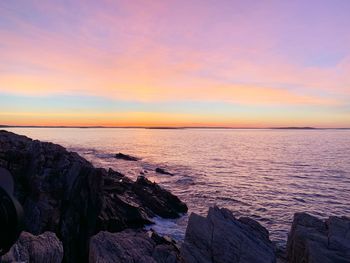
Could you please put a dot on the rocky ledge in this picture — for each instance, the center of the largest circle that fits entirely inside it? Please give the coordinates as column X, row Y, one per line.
column 77, row 213
column 220, row 237
column 133, row 246
column 315, row 241
column 63, row 193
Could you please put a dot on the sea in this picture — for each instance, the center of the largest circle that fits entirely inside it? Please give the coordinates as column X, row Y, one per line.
column 266, row 174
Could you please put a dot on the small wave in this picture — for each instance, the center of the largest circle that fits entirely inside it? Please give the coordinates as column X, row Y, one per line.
column 169, row 227
column 232, row 200
column 300, row 176
column 186, row 181
column 261, row 209
column 299, row 199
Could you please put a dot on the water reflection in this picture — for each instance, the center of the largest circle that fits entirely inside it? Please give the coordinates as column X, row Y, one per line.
column 266, row 174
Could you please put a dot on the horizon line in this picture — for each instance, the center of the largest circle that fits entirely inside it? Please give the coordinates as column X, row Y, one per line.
column 175, row 127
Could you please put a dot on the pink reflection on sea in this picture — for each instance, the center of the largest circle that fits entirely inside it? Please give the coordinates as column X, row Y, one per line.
column 266, row 174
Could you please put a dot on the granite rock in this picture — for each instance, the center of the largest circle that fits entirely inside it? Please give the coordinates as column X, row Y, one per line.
column 312, row 240
column 221, row 238
column 132, row 246
column 45, row 248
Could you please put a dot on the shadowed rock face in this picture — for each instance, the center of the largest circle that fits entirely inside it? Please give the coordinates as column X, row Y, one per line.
column 220, row 237
column 45, row 248
column 131, row 204
column 312, row 240
column 59, row 191
column 63, row 193
column 132, row 246
column 157, row 200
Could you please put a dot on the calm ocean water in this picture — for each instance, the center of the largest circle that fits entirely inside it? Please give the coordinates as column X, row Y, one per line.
column 265, row 174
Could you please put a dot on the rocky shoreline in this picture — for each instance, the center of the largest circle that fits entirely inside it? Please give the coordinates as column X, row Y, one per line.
column 75, row 212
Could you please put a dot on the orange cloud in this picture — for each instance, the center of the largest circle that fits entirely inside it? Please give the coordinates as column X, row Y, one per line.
column 149, row 119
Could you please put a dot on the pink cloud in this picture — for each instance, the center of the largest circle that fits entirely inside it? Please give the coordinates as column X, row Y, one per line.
column 162, row 51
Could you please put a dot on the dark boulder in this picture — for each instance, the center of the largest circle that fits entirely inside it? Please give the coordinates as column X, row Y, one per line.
column 222, row 238
column 162, row 171
column 132, row 246
column 312, row 240
column 125, row 157
column 45, row 248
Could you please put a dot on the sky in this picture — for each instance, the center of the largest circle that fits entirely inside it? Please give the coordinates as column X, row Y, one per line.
column 251, row 63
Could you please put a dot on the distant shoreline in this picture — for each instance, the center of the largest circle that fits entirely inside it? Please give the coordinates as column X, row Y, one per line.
column 172, row 128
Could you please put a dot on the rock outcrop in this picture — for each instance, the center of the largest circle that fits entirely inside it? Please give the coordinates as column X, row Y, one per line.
column 45, row 248
column 132, row 246
column 222, row 238
column 63, row 193
column 157, row 200
column 131, row 204
column 162, row 171
column 126, row 157
column 312, row 240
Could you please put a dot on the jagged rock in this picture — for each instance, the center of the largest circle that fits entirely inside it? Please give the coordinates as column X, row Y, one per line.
column 121, row 206
column 131, row 204
column 126, row 157
column 45, row 248
column 132, row 246
column 312, row 240
column 162, row 171
column 158, row 200
column 221, row 238
column 59, row 191
column 63, row 193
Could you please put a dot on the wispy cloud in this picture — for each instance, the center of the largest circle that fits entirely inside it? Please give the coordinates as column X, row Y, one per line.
column 244, row 53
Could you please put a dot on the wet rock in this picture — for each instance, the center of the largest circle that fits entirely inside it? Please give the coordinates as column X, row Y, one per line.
column 132, row 246
column 121, row 208
column 312, row 240
column 162, row 171
column 63, row 193
column 157, row 200
column 131, row 204
column 125, row 157
column 220, row 237
column 45, row 248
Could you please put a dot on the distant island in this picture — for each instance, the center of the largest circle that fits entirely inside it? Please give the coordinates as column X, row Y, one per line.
column 295, row 128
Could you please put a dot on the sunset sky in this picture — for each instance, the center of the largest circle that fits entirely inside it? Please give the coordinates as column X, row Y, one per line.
column 175, row 63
